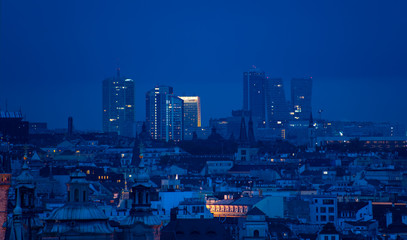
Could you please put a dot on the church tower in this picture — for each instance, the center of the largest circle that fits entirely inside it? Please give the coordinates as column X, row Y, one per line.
column 141, row 224
column 24, row 213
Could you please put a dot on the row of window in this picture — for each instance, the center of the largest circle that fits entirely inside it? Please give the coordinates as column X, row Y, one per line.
column 323, row 209
column 323, row 218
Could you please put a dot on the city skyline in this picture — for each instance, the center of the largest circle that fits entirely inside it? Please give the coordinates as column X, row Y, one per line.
column 231, row 120
column 356, row 59
column 328, row 114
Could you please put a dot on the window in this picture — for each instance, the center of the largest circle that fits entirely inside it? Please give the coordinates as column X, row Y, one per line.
column 256, row 233
column 333, row 237
column 323, row 210
column 316, row 217
column 76, row 195
column 328, row 201
column 316, row 209
column 323, row 218
column 326, row 238
column 331, row 210
column 331, row 218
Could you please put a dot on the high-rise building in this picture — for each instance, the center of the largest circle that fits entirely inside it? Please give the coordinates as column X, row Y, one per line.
column 301, row 93
column 70, row 126
column 277, row 111
column 254, row 94
column 164, row 114
column 192, row 115
column 118, row 105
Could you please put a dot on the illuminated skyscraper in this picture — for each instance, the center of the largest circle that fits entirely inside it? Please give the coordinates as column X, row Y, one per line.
column 192, row 115
column 254, row 94
column 301, row 93
column 277, row 111
column 118, row 105
column 164, row 114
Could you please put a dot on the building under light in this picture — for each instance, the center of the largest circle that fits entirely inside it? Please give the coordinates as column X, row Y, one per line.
column 164, row 114
column 277, row 111
column 301, row 93
column 192, row 115
column 118, row 105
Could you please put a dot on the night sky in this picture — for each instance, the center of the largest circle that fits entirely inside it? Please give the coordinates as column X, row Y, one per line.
column 55, row 54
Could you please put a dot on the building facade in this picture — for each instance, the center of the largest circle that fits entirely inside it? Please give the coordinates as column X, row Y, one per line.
column 254, row 97
column 192, row 115
column 164, row 114
column 277, row 111
column 118, row 105
column 301, row 95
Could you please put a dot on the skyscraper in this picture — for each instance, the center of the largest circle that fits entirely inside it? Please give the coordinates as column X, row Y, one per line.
column 277, row 111
column 192, row 115
column 301, row 93
column 118, row 105
column 164, row 114
column 254, row 94
column 70, row 126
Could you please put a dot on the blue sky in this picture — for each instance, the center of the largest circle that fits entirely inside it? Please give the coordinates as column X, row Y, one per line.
column 55, row 54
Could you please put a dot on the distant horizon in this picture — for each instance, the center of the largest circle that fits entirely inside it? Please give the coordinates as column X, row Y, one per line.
column 57, row 126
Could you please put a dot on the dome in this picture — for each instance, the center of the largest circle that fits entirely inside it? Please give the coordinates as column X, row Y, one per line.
column 141, row 178
column 147, row 219
column 74, row 211
column 78, row 177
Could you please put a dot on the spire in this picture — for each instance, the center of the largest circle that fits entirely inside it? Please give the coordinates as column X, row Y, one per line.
column 18, row 210
column 250, row 132
column 118, row 73
column 243, row 133
column 125, row 181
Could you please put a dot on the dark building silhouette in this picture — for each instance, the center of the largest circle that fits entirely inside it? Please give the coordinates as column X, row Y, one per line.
column 37, row 127
column 250, row 132
column 12, row 127
column 277, row 110
column 254, row 97
column 70, row 126
column 301, row 94
column 118, row 105
column 243, row 132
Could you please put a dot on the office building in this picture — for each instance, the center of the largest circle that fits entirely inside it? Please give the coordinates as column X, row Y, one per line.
column 192, row 115
column 164, row 114
column 277, row 111
column 254, row 97
column 118, row 105
column 301, row 93
column 12, row 128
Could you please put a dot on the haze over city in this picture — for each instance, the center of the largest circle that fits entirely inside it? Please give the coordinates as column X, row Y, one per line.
column 55, row 54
